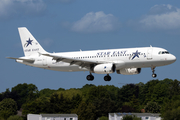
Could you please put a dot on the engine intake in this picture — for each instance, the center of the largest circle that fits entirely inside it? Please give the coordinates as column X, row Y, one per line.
column 104, row 68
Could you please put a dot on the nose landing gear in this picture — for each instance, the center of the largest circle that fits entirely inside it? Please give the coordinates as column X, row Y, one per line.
column 153, row 75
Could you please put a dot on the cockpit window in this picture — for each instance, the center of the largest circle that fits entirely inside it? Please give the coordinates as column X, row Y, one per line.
column 163, row 52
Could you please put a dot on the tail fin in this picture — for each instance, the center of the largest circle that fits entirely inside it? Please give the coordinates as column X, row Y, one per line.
column 29, row 43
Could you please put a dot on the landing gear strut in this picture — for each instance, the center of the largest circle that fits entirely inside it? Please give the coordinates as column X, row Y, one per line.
column 107, row 78
column 90, row 77
column 153, row 75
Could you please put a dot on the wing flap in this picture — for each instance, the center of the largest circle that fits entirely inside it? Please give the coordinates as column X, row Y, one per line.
column 80, row 62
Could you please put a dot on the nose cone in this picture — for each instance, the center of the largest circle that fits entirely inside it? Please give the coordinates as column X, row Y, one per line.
column 172, row 58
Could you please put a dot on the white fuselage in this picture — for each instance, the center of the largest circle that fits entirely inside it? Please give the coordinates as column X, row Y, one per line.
column 122, row 58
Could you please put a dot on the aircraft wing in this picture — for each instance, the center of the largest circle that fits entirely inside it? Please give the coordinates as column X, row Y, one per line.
column 80, row 62
column 24, row 59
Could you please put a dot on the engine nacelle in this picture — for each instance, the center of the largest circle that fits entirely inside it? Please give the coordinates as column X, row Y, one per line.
column 129, row 71
column 104, row 68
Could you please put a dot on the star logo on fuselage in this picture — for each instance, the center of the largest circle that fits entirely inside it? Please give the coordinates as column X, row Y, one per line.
column 29, row 42
column 136, row 54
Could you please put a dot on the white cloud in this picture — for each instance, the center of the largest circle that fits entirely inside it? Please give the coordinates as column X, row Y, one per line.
column 3, row 6
column 96, row 22
column 165, row 17
column 162, row 9
column 12, row 8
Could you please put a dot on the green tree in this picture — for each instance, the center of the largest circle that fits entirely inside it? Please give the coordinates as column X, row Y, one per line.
column 147, row 91
column 75, row 101
column 59, row 104
column 134, row 103
column 101, row 98
column 15, row 117
column 35, row 107
column 87, row 86
column 85, row 89
column 173, row 114
column 69, row 93
column 125, row 95
column 103, row 106
column 81, row 111
column 141, row 96
column 103, row 118
column 113, row 91
column 8, row 107
column 1, row 97
column 46, row 92
column 9, row 94
column 26, row 92
column 127, row 91
column 160, row 92
column 174, row 88
column 170, row 106
column 55, row 104
column 97, row 93
column 86, row 111
column 152, row 107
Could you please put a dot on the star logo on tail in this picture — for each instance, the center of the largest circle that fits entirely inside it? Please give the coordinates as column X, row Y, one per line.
column 29, row 42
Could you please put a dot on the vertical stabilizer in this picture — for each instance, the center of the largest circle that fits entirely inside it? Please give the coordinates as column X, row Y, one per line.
column 29, row 43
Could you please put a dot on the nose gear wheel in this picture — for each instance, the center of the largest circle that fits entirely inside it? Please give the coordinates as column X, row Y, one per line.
column 153, row 75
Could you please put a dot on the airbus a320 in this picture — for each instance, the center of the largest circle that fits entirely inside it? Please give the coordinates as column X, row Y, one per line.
column 126, row 61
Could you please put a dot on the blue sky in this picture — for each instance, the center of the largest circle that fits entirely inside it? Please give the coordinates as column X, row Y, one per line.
column 70, row 25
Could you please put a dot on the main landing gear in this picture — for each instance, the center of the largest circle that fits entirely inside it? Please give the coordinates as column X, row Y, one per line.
column 90, row 77
column 107, row 78
column 153, row 75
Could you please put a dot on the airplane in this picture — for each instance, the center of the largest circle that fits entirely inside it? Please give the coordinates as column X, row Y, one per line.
column 126, row 61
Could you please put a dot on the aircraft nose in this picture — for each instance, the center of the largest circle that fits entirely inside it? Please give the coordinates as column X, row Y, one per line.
column 172, row 58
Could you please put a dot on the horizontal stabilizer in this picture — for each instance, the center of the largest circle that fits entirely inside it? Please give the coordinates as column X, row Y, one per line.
column 24, row 59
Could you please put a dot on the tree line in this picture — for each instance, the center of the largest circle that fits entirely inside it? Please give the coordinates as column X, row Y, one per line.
column 91, row 102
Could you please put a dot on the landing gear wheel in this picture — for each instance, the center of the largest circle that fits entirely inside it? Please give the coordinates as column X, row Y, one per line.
column 90, row 77
column 107, row 78
column 154, row 75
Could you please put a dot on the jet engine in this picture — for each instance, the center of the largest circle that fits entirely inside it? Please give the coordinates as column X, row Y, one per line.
column 129, row 71
column 104, row 68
